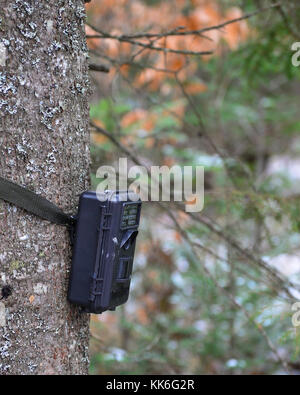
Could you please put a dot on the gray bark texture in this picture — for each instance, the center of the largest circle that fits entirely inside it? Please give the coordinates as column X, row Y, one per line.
column 44, row 145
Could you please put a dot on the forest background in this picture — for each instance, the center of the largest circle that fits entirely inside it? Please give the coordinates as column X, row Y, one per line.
column 212, row 292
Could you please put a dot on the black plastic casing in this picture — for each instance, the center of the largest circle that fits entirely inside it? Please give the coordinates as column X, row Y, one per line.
column 103, row 252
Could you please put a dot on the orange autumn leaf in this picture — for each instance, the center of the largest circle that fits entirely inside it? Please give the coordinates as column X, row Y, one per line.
column 178, row 110
column 93, row 43
column 98, row 123
column 176, row 63
column 235, row 32
column 150, row 77
column 132, row 117
column 168, row 140
column 98, row 138
column 124, row 70
column 115, row 16
column 178, row 237
column 127, row 140
column 142, row 316
column 145, row 77
column 125, row 48
column 149, row 123
column 112, row 47
column 195, row 88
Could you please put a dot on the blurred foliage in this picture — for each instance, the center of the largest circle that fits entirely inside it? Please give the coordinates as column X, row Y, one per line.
column 236, row 113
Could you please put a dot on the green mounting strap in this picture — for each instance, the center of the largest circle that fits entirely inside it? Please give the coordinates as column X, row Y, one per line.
column 33, row 203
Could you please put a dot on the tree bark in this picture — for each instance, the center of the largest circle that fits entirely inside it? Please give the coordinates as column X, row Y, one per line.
column 44, row 145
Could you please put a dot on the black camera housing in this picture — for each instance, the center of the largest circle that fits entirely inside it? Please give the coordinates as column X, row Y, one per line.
column 103, row 251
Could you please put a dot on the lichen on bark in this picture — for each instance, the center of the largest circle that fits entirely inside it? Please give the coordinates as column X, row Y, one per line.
column 44, row 145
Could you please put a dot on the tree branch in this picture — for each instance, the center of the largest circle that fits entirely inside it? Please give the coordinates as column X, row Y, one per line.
column 106, row 35
column 273, row 274
column 178, row 31
column 98, row 67
column 232, row 299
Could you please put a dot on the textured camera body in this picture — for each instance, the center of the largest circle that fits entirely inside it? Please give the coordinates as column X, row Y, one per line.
column 103, row 251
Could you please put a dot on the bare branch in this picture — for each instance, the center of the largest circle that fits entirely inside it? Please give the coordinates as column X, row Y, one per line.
column 232, row 299
column 98, row 67
column 178, row 31
column 272, row 273
column 289, row 26
column 115, row 142
column 106, row 35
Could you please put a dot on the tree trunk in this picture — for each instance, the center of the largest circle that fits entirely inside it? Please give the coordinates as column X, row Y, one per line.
column 44, row 145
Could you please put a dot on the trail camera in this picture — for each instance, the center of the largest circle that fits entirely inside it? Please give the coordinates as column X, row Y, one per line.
column 104, row 245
